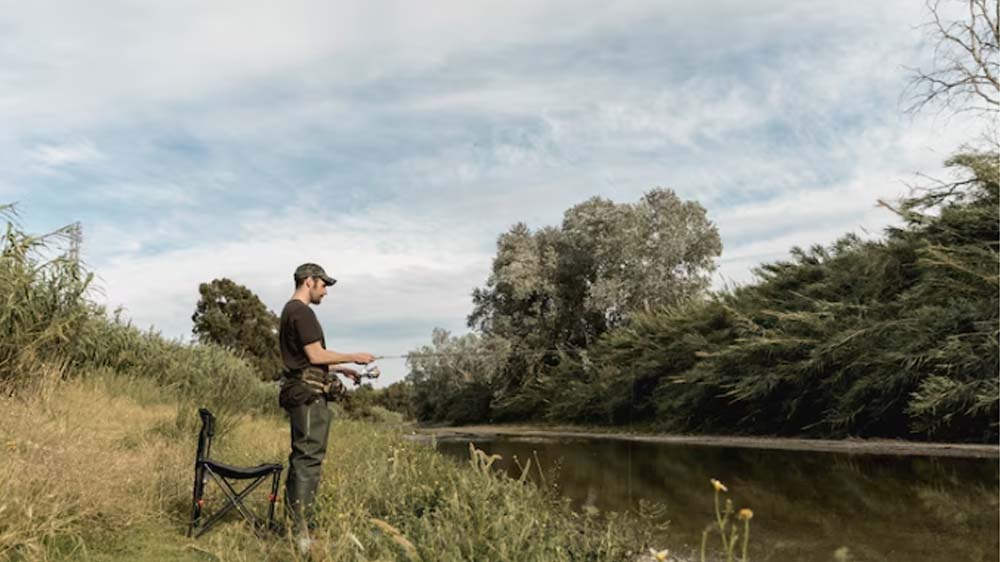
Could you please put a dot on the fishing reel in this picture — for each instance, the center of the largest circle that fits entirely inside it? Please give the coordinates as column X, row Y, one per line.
column 371, row 371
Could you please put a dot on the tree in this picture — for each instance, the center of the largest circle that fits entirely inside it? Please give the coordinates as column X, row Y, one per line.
column 569, row 285
column 966, row 73
column 232, row 316
column 453, row 378
column 556, row 290
column 645, row 255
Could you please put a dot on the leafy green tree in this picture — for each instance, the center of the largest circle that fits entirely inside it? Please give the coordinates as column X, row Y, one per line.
column 396, row 397
column 569, row 285
column 639, row 256
column 560, row 289
column 232, row 316
column 453, row 378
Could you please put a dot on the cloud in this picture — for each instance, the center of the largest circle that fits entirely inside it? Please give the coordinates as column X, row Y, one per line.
column 392, row 143
column 66, row 154
column 142, row 194
column 386, row 273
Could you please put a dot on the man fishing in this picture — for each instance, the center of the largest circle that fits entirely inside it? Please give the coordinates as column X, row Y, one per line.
column 309, row 384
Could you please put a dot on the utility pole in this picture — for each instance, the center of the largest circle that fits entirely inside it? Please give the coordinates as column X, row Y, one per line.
column 75, row 241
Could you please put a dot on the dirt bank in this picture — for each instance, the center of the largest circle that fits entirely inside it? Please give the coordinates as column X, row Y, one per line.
column 853, row 446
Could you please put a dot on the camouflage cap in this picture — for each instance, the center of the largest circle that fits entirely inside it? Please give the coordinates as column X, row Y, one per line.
column 308, row 270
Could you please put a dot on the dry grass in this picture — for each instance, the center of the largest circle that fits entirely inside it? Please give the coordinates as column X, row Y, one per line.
column 83, row 467
column 77, row 461
column 92, row 472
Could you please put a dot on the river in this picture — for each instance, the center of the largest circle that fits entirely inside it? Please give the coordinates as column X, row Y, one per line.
column 806, row 504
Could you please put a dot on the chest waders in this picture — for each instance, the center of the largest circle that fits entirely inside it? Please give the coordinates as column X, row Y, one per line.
column 310, row 425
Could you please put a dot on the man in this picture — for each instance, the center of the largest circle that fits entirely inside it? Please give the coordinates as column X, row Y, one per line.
column 307, row 388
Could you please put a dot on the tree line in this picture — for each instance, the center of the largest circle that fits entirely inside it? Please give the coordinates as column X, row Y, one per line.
column 895, row 337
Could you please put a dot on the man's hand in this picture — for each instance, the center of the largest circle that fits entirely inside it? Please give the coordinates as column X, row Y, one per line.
column 350, row 373
column 363, row 358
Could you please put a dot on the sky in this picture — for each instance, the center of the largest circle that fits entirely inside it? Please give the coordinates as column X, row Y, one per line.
column 392, row 142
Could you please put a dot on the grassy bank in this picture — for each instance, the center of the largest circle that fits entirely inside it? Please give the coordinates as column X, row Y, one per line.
column 100, row 469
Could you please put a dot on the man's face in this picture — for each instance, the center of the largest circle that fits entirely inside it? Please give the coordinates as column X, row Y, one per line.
column 317, row 289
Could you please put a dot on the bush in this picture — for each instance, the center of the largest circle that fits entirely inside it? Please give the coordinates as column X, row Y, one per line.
column 892, row 338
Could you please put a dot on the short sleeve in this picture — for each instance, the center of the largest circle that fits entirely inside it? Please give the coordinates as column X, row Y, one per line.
column 307, row 326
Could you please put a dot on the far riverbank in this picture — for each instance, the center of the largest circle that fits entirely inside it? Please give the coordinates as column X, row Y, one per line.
column 852, row 446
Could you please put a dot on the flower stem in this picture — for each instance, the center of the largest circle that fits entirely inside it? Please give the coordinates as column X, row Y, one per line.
column 746, row 538
column 722, row 524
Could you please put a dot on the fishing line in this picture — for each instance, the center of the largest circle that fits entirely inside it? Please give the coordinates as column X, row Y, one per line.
column 417, row 354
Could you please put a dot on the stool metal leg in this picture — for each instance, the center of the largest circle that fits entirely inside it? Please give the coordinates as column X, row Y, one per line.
column 273, row 498
column 199, row 491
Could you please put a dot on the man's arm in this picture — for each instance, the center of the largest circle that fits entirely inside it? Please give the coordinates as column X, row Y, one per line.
column 319, row 356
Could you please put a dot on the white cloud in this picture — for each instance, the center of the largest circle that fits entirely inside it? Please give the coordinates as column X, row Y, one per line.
column 67, row 154
column 393, row 142
column 141, row 194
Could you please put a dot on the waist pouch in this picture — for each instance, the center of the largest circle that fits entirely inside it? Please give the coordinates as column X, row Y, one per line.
column 308, row 385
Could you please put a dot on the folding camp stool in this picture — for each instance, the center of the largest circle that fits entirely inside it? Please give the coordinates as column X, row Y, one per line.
column 206, row 468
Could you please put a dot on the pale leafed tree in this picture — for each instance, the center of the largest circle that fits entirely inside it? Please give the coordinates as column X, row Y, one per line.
column 608, row 260
column 645, row 255
column 520, row 294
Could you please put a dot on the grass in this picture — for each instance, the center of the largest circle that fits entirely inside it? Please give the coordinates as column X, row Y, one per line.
column 95, row 469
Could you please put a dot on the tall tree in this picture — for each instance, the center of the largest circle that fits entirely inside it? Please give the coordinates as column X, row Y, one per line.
column 562, row 288
column 571, row 284
column 231, row 315
column 656, row 252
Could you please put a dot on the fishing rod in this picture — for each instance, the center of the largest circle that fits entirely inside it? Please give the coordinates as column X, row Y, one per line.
column 371, row 370
column 466, row 353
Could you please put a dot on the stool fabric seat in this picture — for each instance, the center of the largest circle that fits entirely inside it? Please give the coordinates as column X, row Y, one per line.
column 230, row 471
column 206, row 469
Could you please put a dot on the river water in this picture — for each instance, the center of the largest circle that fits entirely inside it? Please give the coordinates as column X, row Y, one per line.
column 806, row 504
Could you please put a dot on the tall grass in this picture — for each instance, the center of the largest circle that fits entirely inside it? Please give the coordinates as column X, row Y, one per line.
column 78, row 462
column 90, row 471
column 42, row 304
column 49, row 324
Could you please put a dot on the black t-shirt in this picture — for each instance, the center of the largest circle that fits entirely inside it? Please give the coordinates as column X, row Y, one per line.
column 298, row 328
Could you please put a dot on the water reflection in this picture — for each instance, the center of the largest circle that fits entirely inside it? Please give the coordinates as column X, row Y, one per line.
column 805, row 504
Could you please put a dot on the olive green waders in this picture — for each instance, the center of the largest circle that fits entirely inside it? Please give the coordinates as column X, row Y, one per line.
column 310, row 430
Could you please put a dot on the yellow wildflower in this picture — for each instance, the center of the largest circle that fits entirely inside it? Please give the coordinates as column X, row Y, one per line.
column 659, row 556
column 745, row 514
column 719, row 486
